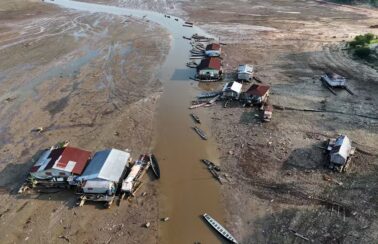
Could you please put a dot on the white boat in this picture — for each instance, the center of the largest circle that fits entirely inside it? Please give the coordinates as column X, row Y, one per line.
column 218, row 227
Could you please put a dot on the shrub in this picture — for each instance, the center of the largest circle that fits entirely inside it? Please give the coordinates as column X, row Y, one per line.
column 362, row 52
column 362, row 40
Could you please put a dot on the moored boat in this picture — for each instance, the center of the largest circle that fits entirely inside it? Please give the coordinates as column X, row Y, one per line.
column 210, row 164
column 155, row 166
column 196, row 118
column 200, row 132
column 208, row 95
column 218, row 227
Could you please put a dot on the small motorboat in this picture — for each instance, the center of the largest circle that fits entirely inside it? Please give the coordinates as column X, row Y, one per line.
column 196, row 118
column 218, row 227
column 155, row 166
column 200, row 132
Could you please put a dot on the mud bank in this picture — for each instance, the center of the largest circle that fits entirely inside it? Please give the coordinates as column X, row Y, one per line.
column 277, row 167
column 88, row 78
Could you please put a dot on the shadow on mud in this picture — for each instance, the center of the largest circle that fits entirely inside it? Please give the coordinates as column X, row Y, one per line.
column 308, row 158
column 14, row 175
column 344, row 213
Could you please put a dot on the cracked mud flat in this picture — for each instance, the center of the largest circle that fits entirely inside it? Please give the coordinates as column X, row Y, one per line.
column 82, row 77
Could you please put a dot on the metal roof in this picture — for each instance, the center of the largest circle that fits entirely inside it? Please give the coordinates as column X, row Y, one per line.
column 245, row 68
column 258, row 90
column 213, row 47
column 72, row 160
column 68, row 159
column 108, row 165
column 341, row 150
column 233, row 86
column 210, row 63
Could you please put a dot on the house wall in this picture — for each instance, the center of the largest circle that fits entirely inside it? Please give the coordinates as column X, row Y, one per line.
column 230, row 94
column 50, row 173
column 205, row 72
column 212, row 53
column 245, row 76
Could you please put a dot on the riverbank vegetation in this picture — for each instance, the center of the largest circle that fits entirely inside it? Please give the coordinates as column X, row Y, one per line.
column 365, row 46
column 371, row 2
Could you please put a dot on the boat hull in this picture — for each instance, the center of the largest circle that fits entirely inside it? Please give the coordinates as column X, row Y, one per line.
column 218, row 227
column 155, row 166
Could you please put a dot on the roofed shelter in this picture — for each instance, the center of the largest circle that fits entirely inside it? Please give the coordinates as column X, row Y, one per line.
column 106, row 165
column 60, row 162
column 257, row 93
column 209, row 69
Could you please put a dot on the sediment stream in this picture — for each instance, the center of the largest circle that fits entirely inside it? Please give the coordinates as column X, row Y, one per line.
column 186, row 188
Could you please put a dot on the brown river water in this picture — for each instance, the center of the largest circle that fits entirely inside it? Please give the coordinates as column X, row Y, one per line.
column 186, row 188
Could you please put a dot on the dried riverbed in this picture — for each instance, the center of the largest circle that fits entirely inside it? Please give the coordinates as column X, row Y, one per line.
column 274, row 168
column 88, row 78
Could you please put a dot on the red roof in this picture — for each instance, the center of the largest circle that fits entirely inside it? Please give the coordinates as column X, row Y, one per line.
column 258, row 90
column 210, row 63
column 67, row 159
column 73, row 160
column 213, row 46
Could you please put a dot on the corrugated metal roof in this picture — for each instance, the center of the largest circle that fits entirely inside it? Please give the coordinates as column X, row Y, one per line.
column 233, row 86
column 245, row 68
column 106, row 165
column 341, row 150
column 72, row 160
column 258, row 90
column 68, row 159
column 210, row 63
column 213, row 46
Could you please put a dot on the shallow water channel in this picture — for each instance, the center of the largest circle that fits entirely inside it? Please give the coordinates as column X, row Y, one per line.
column 186, row 189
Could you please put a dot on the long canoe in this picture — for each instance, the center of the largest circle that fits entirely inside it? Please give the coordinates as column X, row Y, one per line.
column 218, row 227
column 155, row 166
column 200, row 132
column 196, row 118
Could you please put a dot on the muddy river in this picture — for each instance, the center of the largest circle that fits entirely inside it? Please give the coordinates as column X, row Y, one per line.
column 186, row 188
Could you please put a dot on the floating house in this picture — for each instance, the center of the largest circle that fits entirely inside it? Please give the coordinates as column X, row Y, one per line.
column 209, row 69
column 245, row 72
column 257, row 94
column 60, row 162
column 104, row 171
column 339, row 150
column 232, row 90
column 213, row 50
column 334, row 80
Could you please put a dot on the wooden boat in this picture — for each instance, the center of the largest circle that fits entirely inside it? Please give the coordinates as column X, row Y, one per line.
column 200, row 132
column 196, row 118
column 155, row 166
column 218, row 227
column 210, row 164
column 208, row 95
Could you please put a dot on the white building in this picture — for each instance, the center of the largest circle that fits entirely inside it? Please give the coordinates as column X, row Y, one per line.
column 104, row 171
column 334, row 80
column 245, row 72
column 232, row 90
